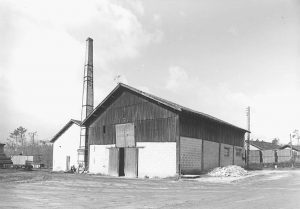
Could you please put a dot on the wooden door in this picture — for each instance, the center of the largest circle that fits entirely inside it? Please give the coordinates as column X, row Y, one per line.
column 68, row 163
column 129, row 135
column 131, row 162
column 113, row 161
column 120, row 136
column 125, row 135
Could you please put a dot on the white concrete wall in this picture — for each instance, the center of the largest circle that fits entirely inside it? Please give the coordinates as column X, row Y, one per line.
column 66, row 145
column 157, row 159
column 99, row 156
column 251, row 147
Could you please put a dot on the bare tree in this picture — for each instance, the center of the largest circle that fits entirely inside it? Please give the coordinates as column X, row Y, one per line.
column 22, row 131
column 14, row 135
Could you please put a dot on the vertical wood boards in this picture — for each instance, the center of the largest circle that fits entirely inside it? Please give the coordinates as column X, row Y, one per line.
column 125, row 135
column 129, row 135
column 131, row 162
column 177, row 135
column 203, row 128
column 120, row 135
column 113, row 165
column 152, row 122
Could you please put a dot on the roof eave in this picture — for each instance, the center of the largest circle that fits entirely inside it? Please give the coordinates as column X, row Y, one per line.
column 63, row 129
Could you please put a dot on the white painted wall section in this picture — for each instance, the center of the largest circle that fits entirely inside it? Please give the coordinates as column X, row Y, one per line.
column 99, row 158
column 66, row 145
column 251, row 147
column 156, row 159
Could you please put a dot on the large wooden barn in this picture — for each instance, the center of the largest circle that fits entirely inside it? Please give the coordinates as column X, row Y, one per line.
column 135, row 134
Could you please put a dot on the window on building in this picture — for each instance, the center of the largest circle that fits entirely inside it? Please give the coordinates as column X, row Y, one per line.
column 226, row 151
column 238, row 152
column 104, row 129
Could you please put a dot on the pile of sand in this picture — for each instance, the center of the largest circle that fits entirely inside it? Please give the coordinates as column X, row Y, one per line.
column 231, row 170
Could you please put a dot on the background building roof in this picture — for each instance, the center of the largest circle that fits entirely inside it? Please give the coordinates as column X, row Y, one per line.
column 262, row 145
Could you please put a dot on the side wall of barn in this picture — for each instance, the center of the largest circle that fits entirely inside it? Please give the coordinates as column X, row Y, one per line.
column 65, row 149
column 205, row 144
column 197, row 155
column 203, row 128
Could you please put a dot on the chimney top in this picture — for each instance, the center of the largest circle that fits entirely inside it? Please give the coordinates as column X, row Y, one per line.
column 89, row 39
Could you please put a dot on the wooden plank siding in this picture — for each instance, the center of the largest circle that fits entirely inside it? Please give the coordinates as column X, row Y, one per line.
column 202, row 128
column 152, row 123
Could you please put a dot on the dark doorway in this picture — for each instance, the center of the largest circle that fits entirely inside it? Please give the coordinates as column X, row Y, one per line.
column 121, row 162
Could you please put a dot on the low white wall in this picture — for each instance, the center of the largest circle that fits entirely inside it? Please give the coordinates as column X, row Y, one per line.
column 157, row 159
column 66, row 145
column 99, row 156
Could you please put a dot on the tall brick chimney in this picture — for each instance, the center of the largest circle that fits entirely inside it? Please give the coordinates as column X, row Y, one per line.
column 87, row 103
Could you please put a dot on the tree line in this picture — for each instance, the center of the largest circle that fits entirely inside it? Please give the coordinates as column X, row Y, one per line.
column 23, row 142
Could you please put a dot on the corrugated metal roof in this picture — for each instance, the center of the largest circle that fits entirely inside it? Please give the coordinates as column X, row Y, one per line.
column 165, row 102
column 72, row 121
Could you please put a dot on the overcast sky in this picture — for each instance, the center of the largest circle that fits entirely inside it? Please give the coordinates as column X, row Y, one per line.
column 215, row 56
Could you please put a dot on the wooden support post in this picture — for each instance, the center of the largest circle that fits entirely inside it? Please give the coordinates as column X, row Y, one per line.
column 232, row 155
column 178, row 166
column 202, row 155
column 219, row 154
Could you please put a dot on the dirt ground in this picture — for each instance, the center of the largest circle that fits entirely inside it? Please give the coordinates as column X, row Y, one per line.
column 37, row 189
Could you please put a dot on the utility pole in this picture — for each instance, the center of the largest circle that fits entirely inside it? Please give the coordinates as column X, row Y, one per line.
column 292, row 150
column 248, row 136
column 32, row 134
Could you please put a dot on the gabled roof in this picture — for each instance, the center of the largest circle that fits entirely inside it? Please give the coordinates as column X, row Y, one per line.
column 295, row 147
column 173, row 106
column 68, row 125
column 262, row 145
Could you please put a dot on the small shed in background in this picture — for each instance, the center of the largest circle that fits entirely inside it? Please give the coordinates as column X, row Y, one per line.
column 65, row 145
